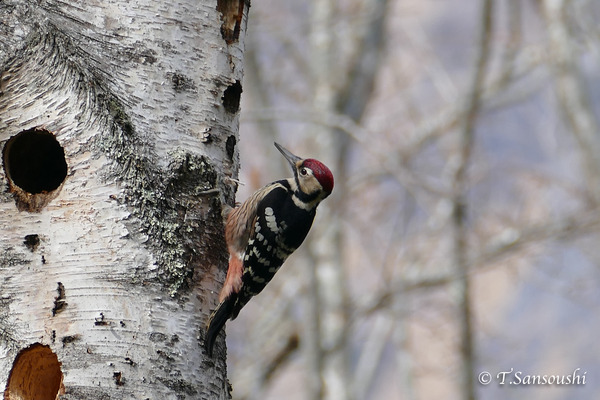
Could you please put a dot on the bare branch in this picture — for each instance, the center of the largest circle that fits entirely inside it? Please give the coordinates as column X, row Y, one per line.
column 460, row 207
column 572, row 95
column 508, row 243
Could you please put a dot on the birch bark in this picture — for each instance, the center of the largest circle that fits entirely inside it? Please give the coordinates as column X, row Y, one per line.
column 109, row 267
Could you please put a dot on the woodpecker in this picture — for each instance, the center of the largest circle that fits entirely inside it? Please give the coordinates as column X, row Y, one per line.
column 264, row 231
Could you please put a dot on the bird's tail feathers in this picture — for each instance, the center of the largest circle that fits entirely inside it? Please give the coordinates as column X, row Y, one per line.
column 217, row 320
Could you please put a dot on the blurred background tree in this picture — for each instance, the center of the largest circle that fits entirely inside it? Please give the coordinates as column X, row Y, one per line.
column 461, row 236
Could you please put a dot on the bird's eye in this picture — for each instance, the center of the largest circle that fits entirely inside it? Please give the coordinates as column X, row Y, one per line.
column 304, row 171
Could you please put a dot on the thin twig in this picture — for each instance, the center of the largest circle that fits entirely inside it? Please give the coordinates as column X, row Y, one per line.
column 572, row 95
column 509, row 242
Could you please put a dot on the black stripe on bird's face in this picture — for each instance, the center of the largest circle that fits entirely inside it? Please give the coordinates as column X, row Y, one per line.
column 307, row 197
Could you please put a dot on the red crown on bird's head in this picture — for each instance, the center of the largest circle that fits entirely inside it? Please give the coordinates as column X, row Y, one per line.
column 321, row 172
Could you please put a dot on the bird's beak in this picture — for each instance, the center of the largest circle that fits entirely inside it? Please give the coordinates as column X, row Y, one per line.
column 292, row 159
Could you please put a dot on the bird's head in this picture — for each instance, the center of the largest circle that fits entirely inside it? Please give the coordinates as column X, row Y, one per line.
column 312, row 176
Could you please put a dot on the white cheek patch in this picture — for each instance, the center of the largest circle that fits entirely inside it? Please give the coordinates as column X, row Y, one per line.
column 293, row 185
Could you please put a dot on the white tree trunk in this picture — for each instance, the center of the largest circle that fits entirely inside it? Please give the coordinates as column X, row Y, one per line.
column 110, row 259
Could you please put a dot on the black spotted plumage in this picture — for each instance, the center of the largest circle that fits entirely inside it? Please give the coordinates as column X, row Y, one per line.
column 268, row 249
column 263, row 231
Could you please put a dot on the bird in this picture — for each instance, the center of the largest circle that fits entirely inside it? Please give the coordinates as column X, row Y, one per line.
column 263, row 231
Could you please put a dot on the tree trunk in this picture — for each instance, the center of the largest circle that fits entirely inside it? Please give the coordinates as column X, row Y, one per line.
column 118, row 123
